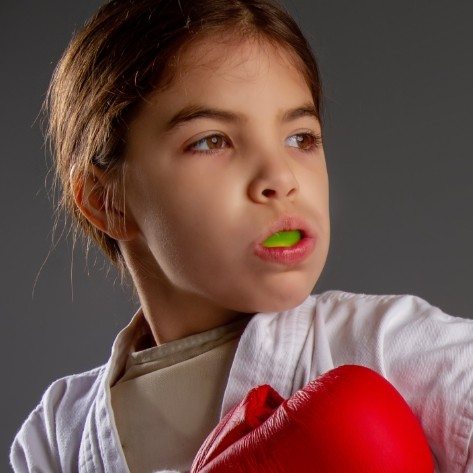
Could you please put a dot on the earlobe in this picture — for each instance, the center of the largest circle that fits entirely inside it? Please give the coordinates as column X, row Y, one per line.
column 89, row 192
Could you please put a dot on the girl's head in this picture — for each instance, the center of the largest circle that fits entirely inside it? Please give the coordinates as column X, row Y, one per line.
column 139, row 182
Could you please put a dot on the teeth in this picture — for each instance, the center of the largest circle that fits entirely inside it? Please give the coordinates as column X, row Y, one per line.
column 283, row 238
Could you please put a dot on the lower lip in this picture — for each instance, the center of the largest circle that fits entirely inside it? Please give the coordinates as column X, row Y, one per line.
column 287, row 255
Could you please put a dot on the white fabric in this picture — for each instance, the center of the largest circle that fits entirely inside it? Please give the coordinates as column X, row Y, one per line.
column 425, row 353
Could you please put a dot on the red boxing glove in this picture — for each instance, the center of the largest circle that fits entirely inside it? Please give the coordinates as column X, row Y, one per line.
column 348, row 420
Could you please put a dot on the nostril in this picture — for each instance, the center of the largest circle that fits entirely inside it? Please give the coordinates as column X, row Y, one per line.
column 268, row 192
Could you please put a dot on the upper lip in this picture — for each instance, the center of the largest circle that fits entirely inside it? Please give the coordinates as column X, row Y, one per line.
column 288, row 222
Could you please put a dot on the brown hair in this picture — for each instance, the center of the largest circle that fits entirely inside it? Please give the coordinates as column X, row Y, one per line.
column 117, row 59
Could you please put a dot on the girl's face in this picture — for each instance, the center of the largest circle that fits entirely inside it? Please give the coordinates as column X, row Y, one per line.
column 204, row 190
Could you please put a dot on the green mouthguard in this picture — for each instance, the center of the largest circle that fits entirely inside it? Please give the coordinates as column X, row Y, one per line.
column 286, row 238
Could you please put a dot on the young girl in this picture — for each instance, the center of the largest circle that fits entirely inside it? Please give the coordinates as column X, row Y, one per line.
column 188, row 143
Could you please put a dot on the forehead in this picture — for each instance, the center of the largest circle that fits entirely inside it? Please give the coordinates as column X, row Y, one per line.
column 217, row 63
column 223, row 54
column 255, row 81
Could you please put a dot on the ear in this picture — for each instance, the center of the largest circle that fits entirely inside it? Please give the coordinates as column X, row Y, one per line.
column 89, row 193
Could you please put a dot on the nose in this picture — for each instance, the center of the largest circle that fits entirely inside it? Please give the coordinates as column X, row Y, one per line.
column 274, row 180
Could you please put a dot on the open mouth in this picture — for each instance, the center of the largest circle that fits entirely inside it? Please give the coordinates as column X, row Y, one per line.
column 283, row 238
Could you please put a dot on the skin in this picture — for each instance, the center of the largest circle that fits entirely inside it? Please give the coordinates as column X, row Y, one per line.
column 192, row 219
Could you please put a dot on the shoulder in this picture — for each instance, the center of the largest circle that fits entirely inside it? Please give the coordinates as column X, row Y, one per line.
column 75, row 390
column 401, row 335
column 71, row 388
column 333, row 303
column 59, row 417
column 361, row 302
column 426, row 353
column 389, row 315
column 403, row 321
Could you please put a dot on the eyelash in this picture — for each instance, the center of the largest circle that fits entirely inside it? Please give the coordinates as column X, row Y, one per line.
column 316, row 137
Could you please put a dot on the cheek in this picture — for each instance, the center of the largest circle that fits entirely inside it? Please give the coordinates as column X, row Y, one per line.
column 205, row 229
column 320, row 185
column 142, row 196
column 313, row 187
column 193, row 257
column 183, row 227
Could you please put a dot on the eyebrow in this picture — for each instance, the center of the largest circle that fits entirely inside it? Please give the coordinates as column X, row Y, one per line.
column 194, row 112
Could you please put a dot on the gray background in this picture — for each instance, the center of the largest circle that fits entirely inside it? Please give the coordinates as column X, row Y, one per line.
column 397, row 78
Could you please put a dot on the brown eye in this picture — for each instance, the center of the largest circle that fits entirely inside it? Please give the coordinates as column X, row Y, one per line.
column 213, row 143
column 308, row 141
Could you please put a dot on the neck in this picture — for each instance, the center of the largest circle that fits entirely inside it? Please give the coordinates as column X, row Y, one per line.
column 172, row 313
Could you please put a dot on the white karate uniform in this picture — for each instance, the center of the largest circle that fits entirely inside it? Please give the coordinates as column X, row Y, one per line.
column 425, row 353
